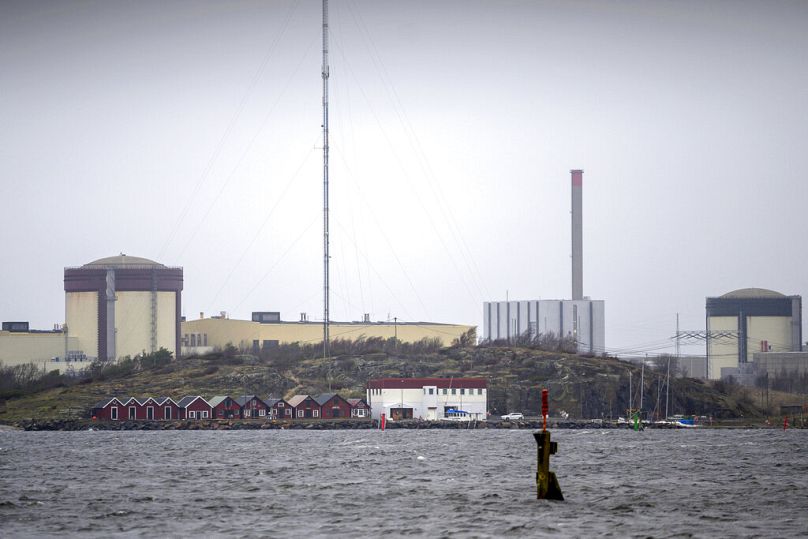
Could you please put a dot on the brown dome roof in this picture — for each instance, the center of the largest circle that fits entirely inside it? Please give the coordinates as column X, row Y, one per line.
column 745, row 293
column 122, row 261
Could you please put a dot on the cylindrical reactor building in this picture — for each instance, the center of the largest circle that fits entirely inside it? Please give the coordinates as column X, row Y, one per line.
column 750, row 320
column 123, row 306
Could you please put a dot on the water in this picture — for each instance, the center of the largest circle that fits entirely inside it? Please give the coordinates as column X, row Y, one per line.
column 702, row 483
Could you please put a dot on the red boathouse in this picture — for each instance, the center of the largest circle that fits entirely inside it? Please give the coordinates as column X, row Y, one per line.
column 332, row 406
column 108, row 410
column 225, row 407
column 194, row 407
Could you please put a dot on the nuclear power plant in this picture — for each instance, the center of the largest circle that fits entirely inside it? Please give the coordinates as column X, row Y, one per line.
column 114, row 307
column 123, row 306
column 750, row 327
column 580, row 318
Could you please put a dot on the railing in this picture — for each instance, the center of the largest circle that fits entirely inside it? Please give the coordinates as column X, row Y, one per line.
column 124, row 266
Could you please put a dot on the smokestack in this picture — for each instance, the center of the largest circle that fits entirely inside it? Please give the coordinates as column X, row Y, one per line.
column 577, row 235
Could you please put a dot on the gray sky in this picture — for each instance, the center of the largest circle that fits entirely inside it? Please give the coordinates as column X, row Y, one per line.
column 189, row 132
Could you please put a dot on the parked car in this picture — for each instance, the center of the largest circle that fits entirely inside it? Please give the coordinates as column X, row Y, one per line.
column 513, row 415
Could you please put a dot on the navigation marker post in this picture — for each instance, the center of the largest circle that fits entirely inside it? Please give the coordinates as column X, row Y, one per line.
column 547, row 487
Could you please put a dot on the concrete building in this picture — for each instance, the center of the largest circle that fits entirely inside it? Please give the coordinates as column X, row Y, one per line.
column 781, row 364
column 123, row 305
column 750, row 320
column 205, row 334
column 692, row 367
column 48, row 350
column 427, row 398
column 583, row 320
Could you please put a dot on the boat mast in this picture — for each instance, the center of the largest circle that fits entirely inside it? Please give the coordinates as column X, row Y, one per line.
column 642, row 382
column 630, row 394
column 668, row 375
column 326, row 340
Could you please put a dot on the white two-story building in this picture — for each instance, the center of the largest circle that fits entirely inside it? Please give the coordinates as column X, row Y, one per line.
column 428, row 398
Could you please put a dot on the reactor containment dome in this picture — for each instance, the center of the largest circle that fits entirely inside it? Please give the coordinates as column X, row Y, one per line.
column 123, row 306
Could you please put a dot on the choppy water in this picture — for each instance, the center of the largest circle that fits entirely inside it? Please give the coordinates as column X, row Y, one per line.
column 402, row 482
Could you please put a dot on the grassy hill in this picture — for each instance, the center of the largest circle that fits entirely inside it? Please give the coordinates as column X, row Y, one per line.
column 583, row 387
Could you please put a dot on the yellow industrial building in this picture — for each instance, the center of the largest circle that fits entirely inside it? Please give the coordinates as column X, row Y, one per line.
column 123, row 306
column 114, row 307
column 126, row 305
column 267, row 330
column 19, row 345
column 743, row 322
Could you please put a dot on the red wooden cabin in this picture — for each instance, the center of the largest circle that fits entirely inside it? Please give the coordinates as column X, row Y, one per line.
column 133, row 409
column 168, row 410
column 279, row 408
column 108, row 410
column 305, row 407
column 225, row 407
column 194, row 407
column 252, row 407
column 359, row 408
column 151, row 409
column 332, row 406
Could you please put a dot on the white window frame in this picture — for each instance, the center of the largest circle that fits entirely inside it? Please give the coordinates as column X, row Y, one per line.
column 262, row 412
column 315, row 413
column 167, row 412
column 300, row 413
column 191, row 414
column 204, row 414
column 133, row 412
column 113, row 413
column 288, row 412
column 150, row 409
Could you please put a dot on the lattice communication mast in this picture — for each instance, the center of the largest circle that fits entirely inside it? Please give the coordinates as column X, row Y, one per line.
column 326, row 343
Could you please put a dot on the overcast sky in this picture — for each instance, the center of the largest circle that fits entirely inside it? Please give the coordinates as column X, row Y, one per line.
column 188, row 132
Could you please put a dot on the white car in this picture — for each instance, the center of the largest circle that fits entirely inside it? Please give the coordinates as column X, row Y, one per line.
column 513, row 415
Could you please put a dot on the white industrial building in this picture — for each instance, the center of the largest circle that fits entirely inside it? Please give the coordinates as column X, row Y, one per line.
column 580, row 318
column 583, row 320
column 429, row 399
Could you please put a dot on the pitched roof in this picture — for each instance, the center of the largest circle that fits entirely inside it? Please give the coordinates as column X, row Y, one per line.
column 187, row 400
column 215, row 401
column 418, row 383
column 355, row 402
column 105, row 402
column 162, row 400
column 297, row 399
column 127, row 400
column 322, row 398
column 244, row 399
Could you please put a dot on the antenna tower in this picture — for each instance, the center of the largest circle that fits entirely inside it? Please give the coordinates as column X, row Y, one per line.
column 326, row 340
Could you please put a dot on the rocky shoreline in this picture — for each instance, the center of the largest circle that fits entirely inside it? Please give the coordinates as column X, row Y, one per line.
column 344, row 424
